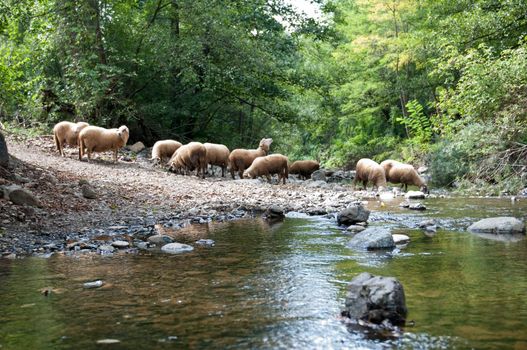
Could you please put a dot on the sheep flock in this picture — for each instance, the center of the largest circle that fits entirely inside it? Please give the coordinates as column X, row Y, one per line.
column 247, row 163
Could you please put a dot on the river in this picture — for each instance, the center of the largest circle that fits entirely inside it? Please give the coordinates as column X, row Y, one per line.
column 278, row 286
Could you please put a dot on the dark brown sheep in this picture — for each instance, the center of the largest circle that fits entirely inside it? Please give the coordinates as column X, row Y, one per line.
column 304, row 168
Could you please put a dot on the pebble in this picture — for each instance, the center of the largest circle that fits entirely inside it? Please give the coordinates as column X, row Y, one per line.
column 400, row 239
column 108, row 341
column 417, row 206
column 93, row 284
column 206, row 242
column 105, row 248
column 121, row 244
column 176, row 248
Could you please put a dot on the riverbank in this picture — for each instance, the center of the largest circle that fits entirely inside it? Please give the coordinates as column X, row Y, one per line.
column 132, row 197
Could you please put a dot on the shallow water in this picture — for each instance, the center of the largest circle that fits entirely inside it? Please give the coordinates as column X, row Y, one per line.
column 278, row 286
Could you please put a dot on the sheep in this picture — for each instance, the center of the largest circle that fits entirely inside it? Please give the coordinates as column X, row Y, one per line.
column 67, row 133
column 240, row 159
column 368, row 170
column 164, row 149
column 267, row 166
column 189, row 157
column 405, row 174
column 304, row 168
column 97, row 139
column 217, row 155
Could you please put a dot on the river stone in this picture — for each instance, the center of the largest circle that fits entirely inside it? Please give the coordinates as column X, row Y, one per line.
column 93, row 284
column 106, row 248
column 319, row 175
column 160, row 239
column 375, row 299
column 400, row 239
column 88, row 192
column 274, row 212
column 416, row 206
column 121, row 244
column 355, row 228
column 426, row 223
column 498, row 225
column 372, row 238
column 108, row 341
column 176, row 248
column 20, row 196
column 137, row 147
column 4, row 154
column 414, row 195
column 352, row 215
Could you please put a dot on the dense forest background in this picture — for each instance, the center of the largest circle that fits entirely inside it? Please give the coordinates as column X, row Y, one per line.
column 436, row 82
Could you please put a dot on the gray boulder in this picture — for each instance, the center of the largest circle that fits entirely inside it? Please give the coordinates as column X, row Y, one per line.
column 176, row 248
column 352, row 215
column 20, row 196
column 376, row 299
column 498, row 225
column 88, row 192
column 4, row 155
column 372, row 238
column 319, row 175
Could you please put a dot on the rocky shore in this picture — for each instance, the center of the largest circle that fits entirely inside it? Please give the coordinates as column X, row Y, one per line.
column 77, row 205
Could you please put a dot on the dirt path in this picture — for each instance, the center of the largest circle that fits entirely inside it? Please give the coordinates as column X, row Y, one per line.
column 135, row 192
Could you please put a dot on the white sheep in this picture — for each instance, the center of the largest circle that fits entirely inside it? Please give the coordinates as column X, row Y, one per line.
column 67, row 133
column 97, row 139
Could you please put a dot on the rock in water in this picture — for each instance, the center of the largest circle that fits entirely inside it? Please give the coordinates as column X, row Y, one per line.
column 498, row 225
column 375, row 299
column 372, row 238
column 94, row 284
column 400, row 239
column 414, row 195
column 274, row 212
column 352, row 215
column 4, row 155
column 160, row 239
column 176, row 248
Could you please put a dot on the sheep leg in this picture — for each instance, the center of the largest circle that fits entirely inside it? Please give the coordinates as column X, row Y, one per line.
column 89, row 154
column 240, row 173
column 115, row 156
column 223, row 168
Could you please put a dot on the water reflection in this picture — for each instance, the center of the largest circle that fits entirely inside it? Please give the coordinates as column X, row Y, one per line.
column 272, row 285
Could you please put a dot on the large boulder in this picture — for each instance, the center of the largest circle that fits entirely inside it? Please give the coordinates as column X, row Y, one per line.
column 352, row 215
column 372, row 238
column 497, row 225
column 4, row 155
column 376, row 299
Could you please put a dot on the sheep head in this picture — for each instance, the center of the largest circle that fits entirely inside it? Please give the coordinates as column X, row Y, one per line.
column 123, row 133
column 265, row 144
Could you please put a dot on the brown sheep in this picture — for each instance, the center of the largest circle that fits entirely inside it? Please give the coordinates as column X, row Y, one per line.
column 164, row 149
column 267, row 166
column 387, row 165
column 97, row 139
column 405, row 174
column 368, row 170
column 304, row 168
column 189, row 157
column 67, row 133
column 217, row 155
column 240, row 159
